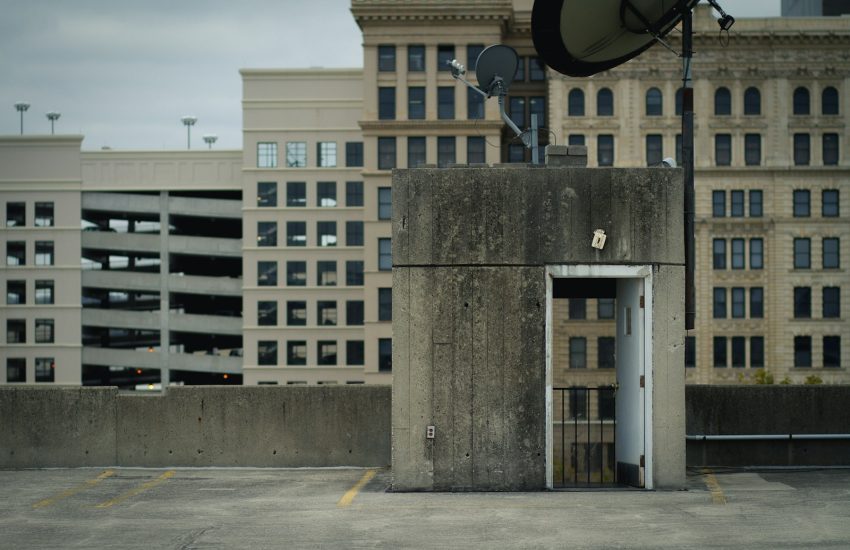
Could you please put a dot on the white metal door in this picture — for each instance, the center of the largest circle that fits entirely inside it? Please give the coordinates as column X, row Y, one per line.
column 630, row 379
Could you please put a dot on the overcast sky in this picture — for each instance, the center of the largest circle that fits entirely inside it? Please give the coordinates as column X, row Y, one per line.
column 123, row 72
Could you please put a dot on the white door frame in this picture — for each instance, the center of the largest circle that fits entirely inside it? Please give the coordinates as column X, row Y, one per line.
column 590, row 271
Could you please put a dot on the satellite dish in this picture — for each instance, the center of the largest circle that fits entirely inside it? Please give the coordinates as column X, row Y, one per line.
column 495, row 68
column 581, row 38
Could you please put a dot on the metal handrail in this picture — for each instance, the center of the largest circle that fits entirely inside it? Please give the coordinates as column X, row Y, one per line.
column 765, row 437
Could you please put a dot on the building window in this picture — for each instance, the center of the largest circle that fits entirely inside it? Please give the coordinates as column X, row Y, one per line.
column 516, row 110
column 416, row 103
column 45, row 369
column 801, row 101
column 654, row 102
column 605, row 102
column 536, row 69
column 326, row 194
column 445, row 151
column 266, row 233
column 354, row 312
column 578, row 353
column 43, row 252
column 690, row 352
column 385, row 255
column 605, row 308
column 415, row 152
column 266, row 273
column 386, row 58
column 575, row 102
column 386, row 153
column 354, row 352
column 519, row 74
column 802, row 253
column 296, row 273
column 738, row 254
column 757, row 302
column 326, row 313
column 757, row 352
column 353, row 193
column 756, row 253
column 445, row 102
column 537, row 106
column 267, row 313
column 832, row 351
column 802, row 351
column 605, row 150
column 475, row 150
column 578, row 308
column 267, row 194
column 831, row 258
column 722, row 102
column 829, row 201
column 802, row 302
column 44, row 214
column 354, row 153
column 654, row 152
column 354, row 233
column 723, row 149
column 752, row 101
column 719, row 253
column 296, row 313
column 829, row 101
column 325, row 233
column 739, row 353
column 16, row 293
column 44, row 331
column 326, row 273
column 16, row 331
column 385, row 203
column 678, row 102
column 606, row 352
column 802, row 203
column 472, row 53
column 16, row 214
column 16, row 369
column 327, row 352
column 739, row 303
column 831, row 302
column 678, row 149
column 720, row 351
column 756, row 203
column 296, row 154
column 415, row 58
column 445, row 55
column 385, row 304
column 296, row 194
column 326, row 153
column 267, row 154
column 718, row 204
column 354, row 273
column 830, row 149
column 802, row 149
column 386, row 103
column 719, row 309
column 752, row 149
column 385, row 355
column 516, row 152
column 474, row 105
column 737, row 206
column 575, row 139
column 578, row 403
column 296, row 234
column 296, row 352
column 44, row 292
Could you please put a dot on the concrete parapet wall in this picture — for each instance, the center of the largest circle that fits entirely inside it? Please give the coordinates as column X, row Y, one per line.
column 195, row 426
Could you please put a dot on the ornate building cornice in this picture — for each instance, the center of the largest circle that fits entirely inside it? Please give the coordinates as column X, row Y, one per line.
column 417, row 11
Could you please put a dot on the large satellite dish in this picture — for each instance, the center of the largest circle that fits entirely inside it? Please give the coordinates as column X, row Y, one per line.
column 582, row 38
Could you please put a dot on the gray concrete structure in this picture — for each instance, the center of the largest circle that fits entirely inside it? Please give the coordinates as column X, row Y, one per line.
column 473, row 253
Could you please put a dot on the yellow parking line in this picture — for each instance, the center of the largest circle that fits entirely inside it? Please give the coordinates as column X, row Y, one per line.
column 73, row 490
column 348, row 497
column 136, row 490
column 717, row 496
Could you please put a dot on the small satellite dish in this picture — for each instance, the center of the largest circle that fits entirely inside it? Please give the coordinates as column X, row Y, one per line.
column 581, row 38
column 495, row 68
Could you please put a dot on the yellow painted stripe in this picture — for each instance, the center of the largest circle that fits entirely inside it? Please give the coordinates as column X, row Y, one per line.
column 717, row 496
column 73, row 490
column 136, row 490
column 348, row 497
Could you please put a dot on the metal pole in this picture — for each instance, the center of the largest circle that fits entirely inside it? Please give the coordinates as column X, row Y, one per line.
column 535, row 148
column 688, row 167
column 22, row 121
column 188, row 136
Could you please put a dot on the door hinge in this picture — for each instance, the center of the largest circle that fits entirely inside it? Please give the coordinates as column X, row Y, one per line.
column 642, row 461
column 642, row 381
column 642, row 303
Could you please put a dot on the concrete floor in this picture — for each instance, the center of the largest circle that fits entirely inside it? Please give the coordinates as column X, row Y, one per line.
column 267, row 508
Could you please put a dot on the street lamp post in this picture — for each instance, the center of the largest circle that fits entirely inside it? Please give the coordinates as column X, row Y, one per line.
column 22, row 107
column 209, row 139
column 53, row 116
column 189, row 121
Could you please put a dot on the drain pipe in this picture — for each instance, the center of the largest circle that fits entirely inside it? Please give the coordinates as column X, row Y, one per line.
column 763, row 437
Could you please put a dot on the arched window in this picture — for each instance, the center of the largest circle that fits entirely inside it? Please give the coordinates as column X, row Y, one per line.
column 575, row 102
column 752, row 101
column 654, row 100
column 722, row 101
column 605, row 102
column 829, row 101
column 801, row 101
column 679, row 107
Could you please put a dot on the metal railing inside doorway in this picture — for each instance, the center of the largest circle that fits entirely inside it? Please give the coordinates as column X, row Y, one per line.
column 584, row 437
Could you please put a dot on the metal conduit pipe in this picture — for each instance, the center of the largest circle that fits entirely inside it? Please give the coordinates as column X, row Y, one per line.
column 763, row 437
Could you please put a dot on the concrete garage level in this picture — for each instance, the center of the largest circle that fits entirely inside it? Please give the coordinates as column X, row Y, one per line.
column 346, row 508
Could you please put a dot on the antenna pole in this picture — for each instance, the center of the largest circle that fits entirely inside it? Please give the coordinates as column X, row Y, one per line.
column 535, row 148
column 688, row 166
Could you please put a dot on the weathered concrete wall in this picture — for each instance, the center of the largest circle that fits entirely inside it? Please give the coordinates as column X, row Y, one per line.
column 195, row 426
column 776, row 410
